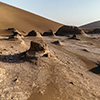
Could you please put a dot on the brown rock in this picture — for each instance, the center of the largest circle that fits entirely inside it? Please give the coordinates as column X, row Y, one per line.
column 48, row 33
column 37, row 49
column 11, row 29
column 16, row 35
column 74, row 37
column 34, row 33
column 67, row 30
column 58, row 42
column 96, row 30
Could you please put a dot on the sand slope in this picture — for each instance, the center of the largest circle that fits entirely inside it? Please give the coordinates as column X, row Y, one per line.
column 23, row 20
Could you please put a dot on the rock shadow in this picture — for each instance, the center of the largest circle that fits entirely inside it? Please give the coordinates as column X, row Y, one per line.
column 96, row 70
column 18, row 58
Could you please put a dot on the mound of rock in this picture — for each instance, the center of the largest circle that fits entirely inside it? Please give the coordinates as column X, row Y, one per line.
column 95, row 31
column 67, row 30
column 58, row 42
column 74, row 37
column 34, row 33
column 16, row 35
column 37, row 49
column 48, row 33
column 11, row 29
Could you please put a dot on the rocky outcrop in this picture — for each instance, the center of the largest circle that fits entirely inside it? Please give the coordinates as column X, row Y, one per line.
column 37, row 49
column 16, row 35
column 48, row 33
column 58, row 42
column 74, row 37
column 10, row 29
column 67, row 30
column 34, row 33
column 95, row 31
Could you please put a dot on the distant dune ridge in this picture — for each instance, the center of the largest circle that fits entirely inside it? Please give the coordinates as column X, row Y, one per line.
column 93, row 25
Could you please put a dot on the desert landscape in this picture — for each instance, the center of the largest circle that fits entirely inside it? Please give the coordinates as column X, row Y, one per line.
column 44, row 60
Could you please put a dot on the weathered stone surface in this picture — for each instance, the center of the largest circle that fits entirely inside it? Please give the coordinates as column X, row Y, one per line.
column 48, row 33
column 11, row 29
column 58, row 42
column 33, row 33
column 74, row 37
column 96, row 30
column 37, row 49
column 66, row 30
column 16, row 35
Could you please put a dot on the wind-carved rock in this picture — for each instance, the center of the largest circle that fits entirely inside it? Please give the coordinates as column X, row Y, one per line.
column 37, row 49
column 16, row 35
column 48, row 33
column 34, row 33
column 58, row 42
column 67, row 30
column 74, row 37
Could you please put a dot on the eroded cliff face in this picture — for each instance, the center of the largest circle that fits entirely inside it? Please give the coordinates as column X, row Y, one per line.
column 64, row 74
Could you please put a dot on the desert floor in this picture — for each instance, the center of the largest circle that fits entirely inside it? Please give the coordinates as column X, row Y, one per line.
column 71, row 72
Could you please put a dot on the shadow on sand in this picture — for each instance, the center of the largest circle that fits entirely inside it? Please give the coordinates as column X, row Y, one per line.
column 17, row 58
column 96, row 70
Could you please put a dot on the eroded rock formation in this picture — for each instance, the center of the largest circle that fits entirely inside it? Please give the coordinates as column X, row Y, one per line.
column 37, row 49
column 16, row 35
column 34, row 33
column 67, row 30
column 48, row 33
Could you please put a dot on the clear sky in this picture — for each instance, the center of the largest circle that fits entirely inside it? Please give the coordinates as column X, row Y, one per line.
column 69, row 12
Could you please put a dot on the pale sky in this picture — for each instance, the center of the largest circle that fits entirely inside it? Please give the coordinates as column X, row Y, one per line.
column 69, row 12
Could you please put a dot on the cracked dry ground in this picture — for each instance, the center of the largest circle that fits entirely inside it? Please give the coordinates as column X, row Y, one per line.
column 64, row 75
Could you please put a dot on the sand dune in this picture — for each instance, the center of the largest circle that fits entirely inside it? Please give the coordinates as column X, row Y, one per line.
column 91, row 25
column 23, row 20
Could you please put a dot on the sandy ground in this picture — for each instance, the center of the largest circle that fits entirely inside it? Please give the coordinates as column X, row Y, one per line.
column 64, row 75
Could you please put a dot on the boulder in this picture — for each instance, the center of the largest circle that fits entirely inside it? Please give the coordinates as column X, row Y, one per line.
column 34, row 33
column 48, row 33
column 58, row 42
column 16, row 35
column 11, row 29
column 67, row 30
column 74, row 37
column 95, row 31
column 37, row 49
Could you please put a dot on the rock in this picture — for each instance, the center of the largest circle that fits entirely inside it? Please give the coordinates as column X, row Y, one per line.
column 11, row 29
column 34, row 33
column 58, row 42
column 95, row 31
column 67, row 30
column 48, row 33
column 74, row 37
column 85, row 50
column 16, row 35
column 37, row 49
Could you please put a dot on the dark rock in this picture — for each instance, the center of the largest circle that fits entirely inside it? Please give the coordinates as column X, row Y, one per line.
column 74, row 37
column 11, row 29
column 48, row 33
column 95, row 31
column 36, row 49
column 58, row 42
column 67, row 30
column 33, row 33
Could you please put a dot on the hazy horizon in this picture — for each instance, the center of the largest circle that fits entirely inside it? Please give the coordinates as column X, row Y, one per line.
column 73, row 12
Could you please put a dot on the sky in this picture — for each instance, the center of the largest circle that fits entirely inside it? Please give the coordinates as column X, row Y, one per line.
column 69, row 12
